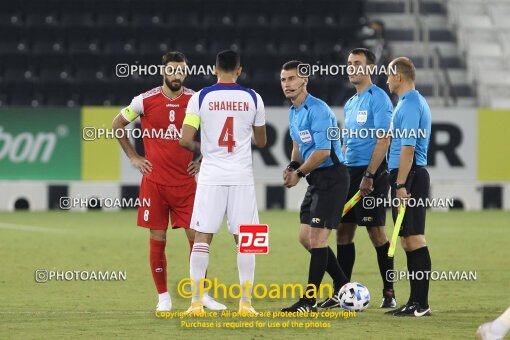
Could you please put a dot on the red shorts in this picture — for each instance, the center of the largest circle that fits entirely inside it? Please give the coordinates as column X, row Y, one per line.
column 165, row 202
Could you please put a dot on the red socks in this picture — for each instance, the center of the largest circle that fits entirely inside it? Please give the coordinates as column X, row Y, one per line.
column 157, row 260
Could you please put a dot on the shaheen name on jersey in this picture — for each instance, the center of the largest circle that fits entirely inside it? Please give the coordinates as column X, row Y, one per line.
column 226, row 114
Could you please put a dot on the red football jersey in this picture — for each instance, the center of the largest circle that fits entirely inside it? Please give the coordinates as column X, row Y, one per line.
column 161, row 119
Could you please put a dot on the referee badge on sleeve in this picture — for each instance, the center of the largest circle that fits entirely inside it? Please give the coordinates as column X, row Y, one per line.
column 361, row 118
column 305, row 136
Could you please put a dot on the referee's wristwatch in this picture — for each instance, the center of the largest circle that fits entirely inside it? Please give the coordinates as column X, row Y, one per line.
column 300, row 173
column 399, row 186
column 368, row 174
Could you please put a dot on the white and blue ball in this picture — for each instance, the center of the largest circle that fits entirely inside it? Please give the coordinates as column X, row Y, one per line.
column 354, row 296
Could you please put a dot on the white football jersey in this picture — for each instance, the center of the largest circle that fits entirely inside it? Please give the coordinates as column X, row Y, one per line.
column 227, row 114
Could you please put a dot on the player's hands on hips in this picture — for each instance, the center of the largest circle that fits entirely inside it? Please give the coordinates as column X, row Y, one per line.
column 193, row 168
column 143, row 165
column 291, row 180
column 402, row 196
column 366, row 186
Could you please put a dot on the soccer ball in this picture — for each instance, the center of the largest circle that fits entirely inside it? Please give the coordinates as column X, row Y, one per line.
column 354, row 296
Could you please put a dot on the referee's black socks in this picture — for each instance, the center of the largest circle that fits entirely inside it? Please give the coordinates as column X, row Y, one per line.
column 335, row 271
column 317, row 269
column 322, row 259
column 418, row 264
column 385, row 264
column 346, row 254
column 423, row 265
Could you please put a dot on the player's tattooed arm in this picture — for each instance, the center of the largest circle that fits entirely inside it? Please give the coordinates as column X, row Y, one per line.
column 143, row 165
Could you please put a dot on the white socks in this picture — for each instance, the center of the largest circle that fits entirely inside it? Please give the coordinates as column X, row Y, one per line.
column 501, row 325
column 199, row 261
column 163, row 297
column 246, row 267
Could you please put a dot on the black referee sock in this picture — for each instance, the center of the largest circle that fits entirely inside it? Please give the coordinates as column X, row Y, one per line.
column 346, row 254
column 385, row 264
column 410, row 268
column 422, row 264
column 335, row 271
column 317, row 269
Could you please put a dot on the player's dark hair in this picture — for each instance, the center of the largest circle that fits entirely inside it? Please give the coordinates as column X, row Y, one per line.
column 366, row 52
column 405, row 67
column 174, row 56
column 291, row 65
column 228, row 60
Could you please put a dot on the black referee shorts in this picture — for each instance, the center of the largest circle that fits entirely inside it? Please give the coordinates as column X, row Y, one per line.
column 325, row 198
column 376, row 215
column 418, row 185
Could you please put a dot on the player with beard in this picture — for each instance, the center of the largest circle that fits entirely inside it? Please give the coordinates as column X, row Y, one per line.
column 168, row 170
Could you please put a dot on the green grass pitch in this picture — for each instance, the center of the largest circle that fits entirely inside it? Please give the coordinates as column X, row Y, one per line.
column 475, row 241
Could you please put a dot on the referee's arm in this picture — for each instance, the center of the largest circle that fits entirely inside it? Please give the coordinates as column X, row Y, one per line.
column 380, row 149
column 382, row 109
column 410, row 123
column 316, row 158
column 406, row 162
column 320, row 123
column 296, row 155
column 378, row 155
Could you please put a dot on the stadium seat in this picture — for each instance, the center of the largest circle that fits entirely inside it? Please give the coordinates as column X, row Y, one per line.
column 286, row 20
column 251, row 20
column 90, row 37
column 320, row 20
column 295, row 50
column 47, row 47
column 116, row 18
column 119, row 48
column 215, row 19
column 482, row 49
column 55, row 74
column 13, row 46
column 84, row 47
column 183, row 21
column 41, row 19
column 147, row 19
column 22, row 95
column 77, row 19
column 19, row 74
column 501, row 20
column 152, row 46
column 91, row 74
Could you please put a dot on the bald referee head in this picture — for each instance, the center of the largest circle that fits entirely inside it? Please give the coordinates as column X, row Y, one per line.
column 402, row 76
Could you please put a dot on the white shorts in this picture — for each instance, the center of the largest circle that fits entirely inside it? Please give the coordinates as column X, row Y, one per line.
column 213, row 201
